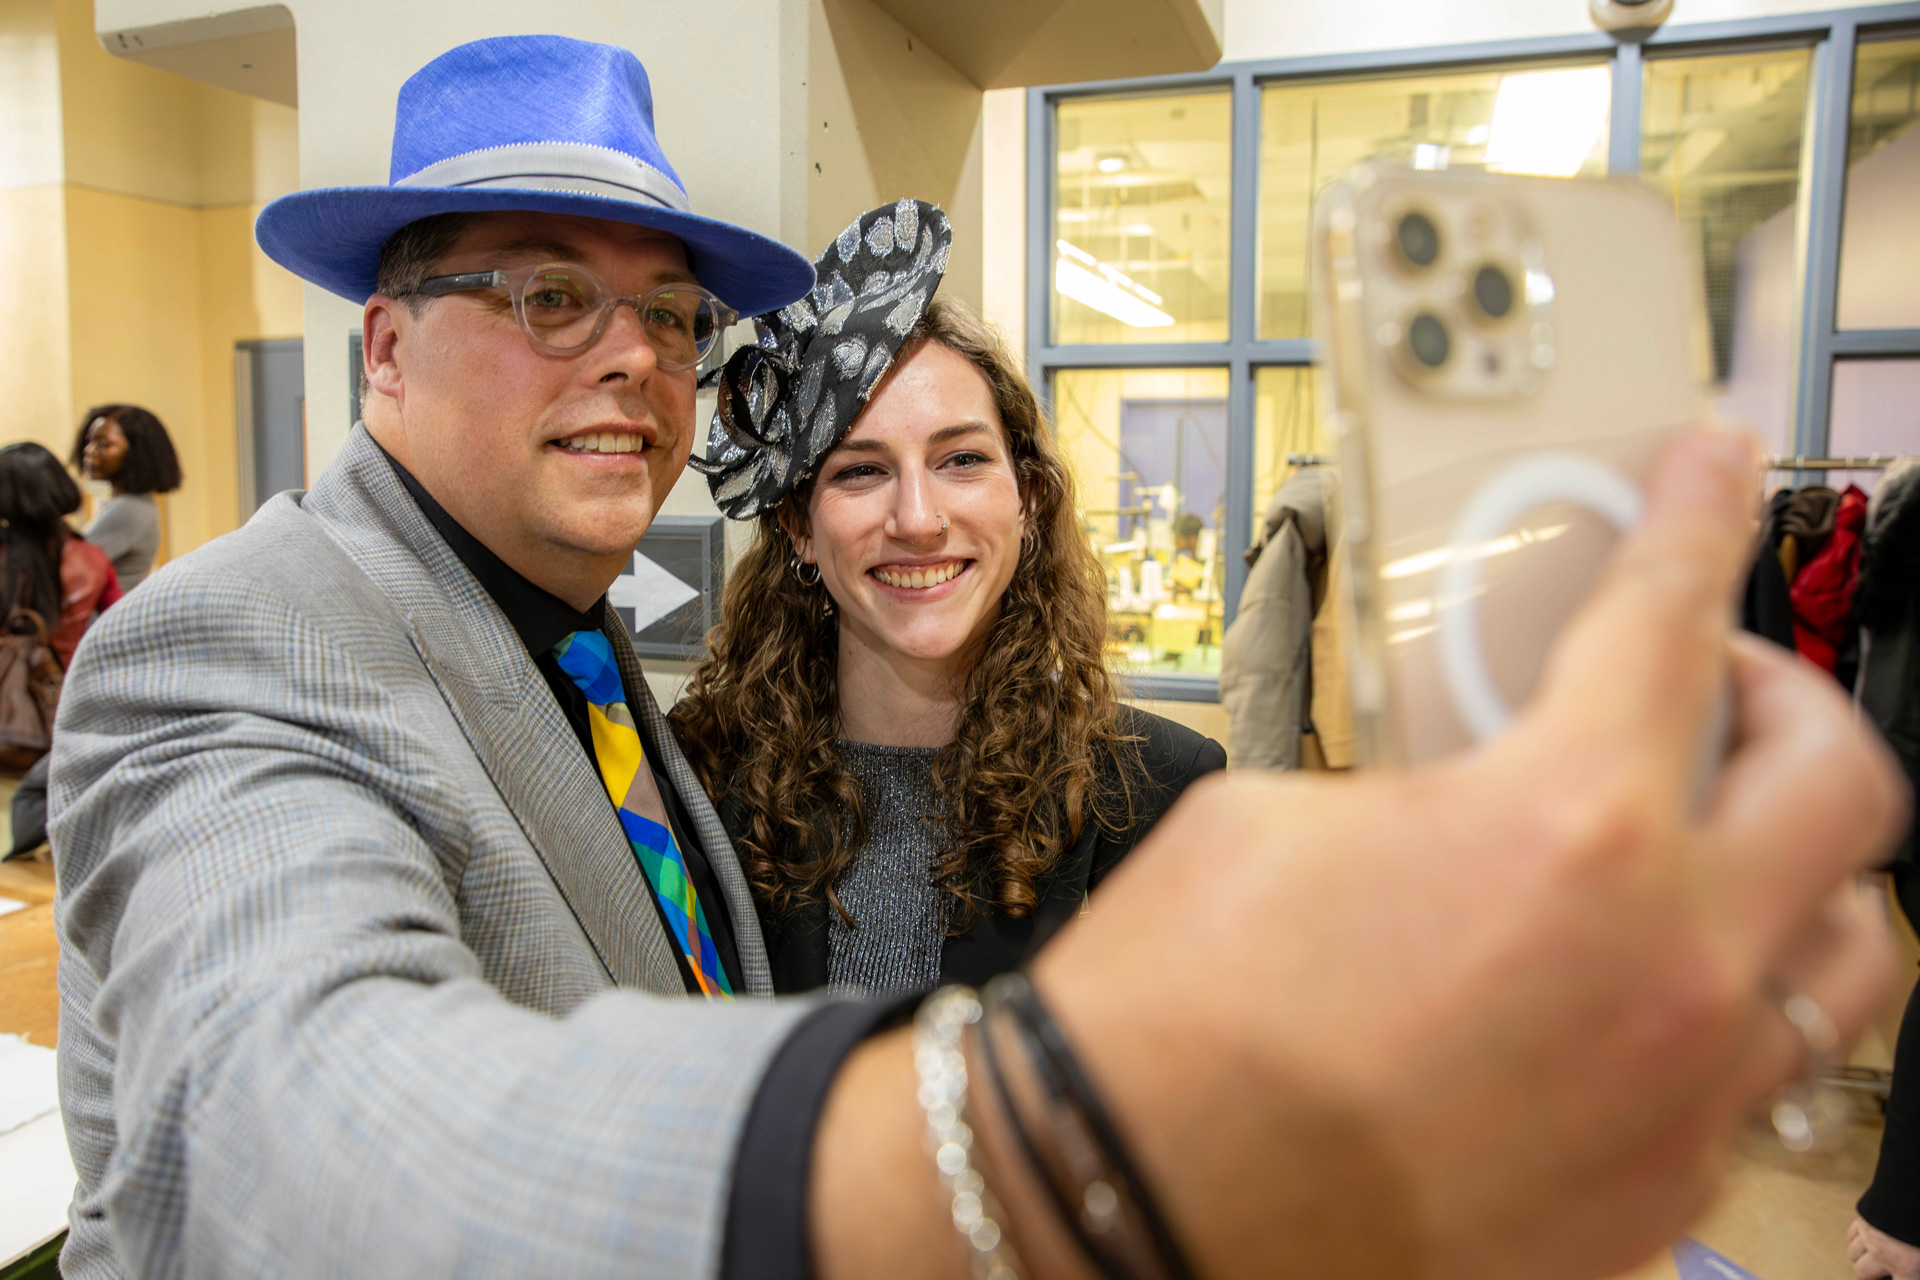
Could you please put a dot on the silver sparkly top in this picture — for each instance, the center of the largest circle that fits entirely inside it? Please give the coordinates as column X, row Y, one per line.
column 899, row 915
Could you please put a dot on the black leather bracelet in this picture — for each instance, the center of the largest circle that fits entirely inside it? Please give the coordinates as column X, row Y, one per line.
column 1143, row 1246
column 1030, row 1152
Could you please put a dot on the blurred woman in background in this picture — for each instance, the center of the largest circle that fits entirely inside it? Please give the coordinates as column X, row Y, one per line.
column 65, row 581
column 44, row 565
column 127, row 447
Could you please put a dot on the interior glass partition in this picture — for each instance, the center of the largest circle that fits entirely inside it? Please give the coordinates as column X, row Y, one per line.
column 1529, row 118
column 1879, row 259
column 1286, row 425
column 1785, row 142
column 1142, row 210
column 1148, row 449
column 1720, row 139
column 1876, row 410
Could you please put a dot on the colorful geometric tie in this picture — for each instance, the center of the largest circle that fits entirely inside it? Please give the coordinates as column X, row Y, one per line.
column 588, row 660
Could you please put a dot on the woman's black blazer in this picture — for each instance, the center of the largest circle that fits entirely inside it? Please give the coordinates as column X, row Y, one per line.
column 1172, row 755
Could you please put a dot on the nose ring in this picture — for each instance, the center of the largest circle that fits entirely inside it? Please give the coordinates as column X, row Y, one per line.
column 943, row 526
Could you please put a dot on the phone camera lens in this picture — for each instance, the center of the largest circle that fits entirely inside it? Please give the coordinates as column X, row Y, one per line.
column 1419, row 239
column 1493, row 290
column 1428, row 341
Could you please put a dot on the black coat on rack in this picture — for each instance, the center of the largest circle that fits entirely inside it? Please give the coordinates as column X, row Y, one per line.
column 1887, row 608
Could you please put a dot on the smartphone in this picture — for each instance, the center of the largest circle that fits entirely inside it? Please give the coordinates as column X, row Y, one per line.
column 1504, row 358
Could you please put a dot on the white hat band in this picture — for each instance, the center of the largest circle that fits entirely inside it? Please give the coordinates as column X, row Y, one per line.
column 555, row 166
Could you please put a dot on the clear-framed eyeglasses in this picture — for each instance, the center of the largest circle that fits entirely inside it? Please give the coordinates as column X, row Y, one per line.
column 564, row 308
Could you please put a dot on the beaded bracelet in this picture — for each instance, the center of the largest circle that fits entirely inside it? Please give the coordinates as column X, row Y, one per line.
column 937, row 1029
column 1085, row 1167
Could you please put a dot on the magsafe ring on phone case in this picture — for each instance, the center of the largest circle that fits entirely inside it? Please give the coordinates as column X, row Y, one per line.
column 1494, row 509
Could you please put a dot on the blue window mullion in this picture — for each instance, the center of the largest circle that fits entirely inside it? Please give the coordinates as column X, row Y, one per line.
column 1243, row 329
column 1877, row 342
column 1040, row 169
column 1823, row 184
column 1623, row 116
column 1233, row 539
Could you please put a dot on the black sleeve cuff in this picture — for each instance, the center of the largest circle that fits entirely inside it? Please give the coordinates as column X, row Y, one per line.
column 766, row 1233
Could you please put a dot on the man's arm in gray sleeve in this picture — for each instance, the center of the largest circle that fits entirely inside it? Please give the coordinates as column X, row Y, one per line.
column 264, row 973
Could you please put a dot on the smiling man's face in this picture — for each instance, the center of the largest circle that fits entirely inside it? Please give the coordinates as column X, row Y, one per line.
column 558, row 464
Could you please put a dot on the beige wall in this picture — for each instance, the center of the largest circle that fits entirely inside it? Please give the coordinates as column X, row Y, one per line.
column 127, row 198
column 1003, row 212
column 163, row 178
column 36, row 383
column 888, row 117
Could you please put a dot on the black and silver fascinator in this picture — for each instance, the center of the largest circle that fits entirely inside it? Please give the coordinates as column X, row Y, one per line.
column 786, row 401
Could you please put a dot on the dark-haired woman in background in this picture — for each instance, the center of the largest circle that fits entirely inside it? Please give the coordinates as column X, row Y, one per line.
column 48, row 568
column 44, row 565
column 127, row 447
column 904, row 716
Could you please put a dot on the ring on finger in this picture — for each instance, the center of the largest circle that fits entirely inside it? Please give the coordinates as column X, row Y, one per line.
column 1802, row 1110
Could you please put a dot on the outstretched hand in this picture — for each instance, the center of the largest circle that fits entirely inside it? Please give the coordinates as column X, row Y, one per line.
column 1502, row 1014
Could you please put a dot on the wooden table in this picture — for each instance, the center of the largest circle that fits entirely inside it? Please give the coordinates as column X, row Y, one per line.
column 29, row 999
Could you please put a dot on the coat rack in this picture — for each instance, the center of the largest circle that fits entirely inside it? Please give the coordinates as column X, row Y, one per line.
column 1800, row 462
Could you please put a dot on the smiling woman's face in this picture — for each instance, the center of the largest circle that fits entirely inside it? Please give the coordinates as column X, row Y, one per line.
column 106, row 449
column 930, row 447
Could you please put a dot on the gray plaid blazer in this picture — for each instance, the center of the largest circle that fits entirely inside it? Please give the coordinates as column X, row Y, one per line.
column 358, row 975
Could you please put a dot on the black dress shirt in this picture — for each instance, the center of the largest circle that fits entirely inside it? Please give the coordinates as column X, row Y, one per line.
column 766, row 1232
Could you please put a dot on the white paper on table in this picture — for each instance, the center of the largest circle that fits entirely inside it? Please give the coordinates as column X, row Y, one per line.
column 10, row 905
column 36, row 1182
column 28, row 1088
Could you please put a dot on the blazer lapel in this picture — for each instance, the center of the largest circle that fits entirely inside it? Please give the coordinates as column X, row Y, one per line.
column 657, row 736
column 529, row 750
column 506, row 711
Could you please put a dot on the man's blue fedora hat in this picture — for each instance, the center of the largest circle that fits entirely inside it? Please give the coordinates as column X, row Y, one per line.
column 536, row 123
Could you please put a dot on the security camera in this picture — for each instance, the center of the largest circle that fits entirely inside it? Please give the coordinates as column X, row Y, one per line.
column 1629, row 15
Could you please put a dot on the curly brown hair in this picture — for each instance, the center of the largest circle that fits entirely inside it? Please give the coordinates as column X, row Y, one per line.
column 1039, row 749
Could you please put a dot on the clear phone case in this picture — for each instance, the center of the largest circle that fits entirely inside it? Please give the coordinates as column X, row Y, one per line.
column 1505, row 359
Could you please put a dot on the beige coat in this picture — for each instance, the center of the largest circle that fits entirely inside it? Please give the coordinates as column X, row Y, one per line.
column 1282, row 671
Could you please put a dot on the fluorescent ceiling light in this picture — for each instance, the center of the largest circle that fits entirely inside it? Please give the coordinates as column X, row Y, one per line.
column 1116, row 277
column 1112, row 164
column 1102, row 294
column 1695, row 148
column 1068, row 249
column 1547, row 122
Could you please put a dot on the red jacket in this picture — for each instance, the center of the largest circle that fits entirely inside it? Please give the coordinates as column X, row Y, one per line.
column 88, row 584
column 1822, row 591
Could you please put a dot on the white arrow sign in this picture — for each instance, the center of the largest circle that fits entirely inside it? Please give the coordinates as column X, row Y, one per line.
column 650, row 591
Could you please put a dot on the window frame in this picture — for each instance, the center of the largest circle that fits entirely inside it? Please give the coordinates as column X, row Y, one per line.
column 1834, row 36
